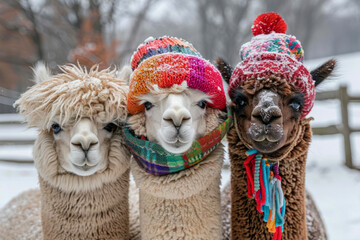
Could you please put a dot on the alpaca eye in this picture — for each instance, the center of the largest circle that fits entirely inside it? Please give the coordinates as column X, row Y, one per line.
column 239, row 99
column 294, row 105
column 148, row 105
column 56, row 128
column 202, row 104
column 241, row 103
column 110, row 127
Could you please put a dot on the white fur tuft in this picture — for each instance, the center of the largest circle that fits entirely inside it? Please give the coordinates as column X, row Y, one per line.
column 124, row 74
column 41, row 72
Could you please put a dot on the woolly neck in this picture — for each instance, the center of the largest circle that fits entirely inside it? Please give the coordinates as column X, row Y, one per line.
column 154, row 159
column 97, row 214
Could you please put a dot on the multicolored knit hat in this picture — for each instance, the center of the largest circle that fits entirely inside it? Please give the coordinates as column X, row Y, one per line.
column 272, row 52
column 167, row 61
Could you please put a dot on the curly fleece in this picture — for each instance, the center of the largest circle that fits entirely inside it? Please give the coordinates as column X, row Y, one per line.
column 246, row 221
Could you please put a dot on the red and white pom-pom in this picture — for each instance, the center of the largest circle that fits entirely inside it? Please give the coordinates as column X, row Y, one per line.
column 267, row 23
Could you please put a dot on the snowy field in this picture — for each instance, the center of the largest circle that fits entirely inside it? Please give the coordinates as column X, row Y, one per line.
column 335, row 188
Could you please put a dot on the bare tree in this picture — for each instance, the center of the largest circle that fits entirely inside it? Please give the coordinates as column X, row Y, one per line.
column 31, row 30
column 224, row 26
column 138, row 19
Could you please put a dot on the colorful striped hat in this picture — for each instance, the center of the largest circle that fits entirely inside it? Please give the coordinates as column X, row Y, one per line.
column 272, row 52
column 167, row 61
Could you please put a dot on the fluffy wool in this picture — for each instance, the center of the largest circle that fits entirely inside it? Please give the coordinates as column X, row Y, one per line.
column 20, row 219
column 99, row 214
column 73, row 94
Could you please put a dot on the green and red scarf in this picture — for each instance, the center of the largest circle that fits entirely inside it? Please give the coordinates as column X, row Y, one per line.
column 155, row 160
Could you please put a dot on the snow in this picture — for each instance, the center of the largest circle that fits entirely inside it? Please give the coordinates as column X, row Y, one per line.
column 335, row 188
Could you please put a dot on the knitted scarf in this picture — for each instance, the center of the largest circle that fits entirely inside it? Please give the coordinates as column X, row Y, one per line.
column 155, row 160
column 264, row 184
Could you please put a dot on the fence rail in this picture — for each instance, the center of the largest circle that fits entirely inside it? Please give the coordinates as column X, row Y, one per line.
column 342, row 128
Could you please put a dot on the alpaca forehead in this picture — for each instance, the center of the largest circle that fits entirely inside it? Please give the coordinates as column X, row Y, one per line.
column 267, row 96
column 85, row 124
column 77, row 122
column 191, row 95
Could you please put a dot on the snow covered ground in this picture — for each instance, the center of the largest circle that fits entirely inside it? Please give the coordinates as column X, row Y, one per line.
column 335, row 188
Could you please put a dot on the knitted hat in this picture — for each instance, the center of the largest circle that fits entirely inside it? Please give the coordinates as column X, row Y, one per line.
column 270, row 52
column 167, row 61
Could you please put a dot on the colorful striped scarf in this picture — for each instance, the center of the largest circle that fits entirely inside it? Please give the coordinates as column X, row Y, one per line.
column 155, row 160
column 264, row 184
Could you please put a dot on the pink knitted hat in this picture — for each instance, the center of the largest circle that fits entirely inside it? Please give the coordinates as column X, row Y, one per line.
column 167, row 61
column 272, row 52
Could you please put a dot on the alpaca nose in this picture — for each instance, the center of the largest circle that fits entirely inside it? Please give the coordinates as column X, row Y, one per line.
column 85, row 143
column 268, row 115
column 84, row 136
column 267, row 112
column 177, row 117
column 267, row 109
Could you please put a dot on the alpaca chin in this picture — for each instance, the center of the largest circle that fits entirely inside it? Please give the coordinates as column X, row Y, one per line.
column 177, row 143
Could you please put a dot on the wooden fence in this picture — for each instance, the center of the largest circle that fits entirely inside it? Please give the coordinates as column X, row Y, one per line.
column 342, row 128
column 7, row 99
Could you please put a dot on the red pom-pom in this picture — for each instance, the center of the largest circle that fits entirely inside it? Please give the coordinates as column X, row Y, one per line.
column 267, row 23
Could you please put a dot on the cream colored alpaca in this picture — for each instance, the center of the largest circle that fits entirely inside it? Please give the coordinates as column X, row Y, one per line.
column 183, row 205
column 82, row 163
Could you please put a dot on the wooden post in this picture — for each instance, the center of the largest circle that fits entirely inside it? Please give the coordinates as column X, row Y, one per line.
column 346, row 131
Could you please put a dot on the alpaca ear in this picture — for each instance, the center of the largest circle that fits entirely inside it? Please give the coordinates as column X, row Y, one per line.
column 225, row 69
column 41, row 72
column 321, row 73
column 124, row 74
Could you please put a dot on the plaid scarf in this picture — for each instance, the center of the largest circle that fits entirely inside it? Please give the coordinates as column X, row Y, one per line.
column 155, row 160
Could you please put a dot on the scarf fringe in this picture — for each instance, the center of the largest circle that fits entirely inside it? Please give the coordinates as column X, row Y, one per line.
column 264, row 184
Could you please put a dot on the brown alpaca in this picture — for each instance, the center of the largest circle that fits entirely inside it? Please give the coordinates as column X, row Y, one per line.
column 246, row 221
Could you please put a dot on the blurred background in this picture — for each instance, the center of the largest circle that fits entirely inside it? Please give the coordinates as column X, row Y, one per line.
column 107, row 32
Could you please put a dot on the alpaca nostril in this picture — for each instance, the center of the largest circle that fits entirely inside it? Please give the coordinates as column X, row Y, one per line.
column 83, row 146
column 177, row 128
column 77, row 144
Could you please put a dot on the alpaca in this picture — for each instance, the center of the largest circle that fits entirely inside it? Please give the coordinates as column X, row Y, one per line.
column 271, row 94
column 80, row 156
column 181, row 200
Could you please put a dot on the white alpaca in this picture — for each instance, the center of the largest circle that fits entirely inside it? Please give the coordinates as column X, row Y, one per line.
column 80, row 157
column 183, row 205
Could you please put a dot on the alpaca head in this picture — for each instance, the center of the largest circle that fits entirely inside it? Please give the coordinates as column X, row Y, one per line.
column 82, row 147
column 78, row 114
column 269, row 112
column 170, row 90
column 176, row 116
column 271, row 90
